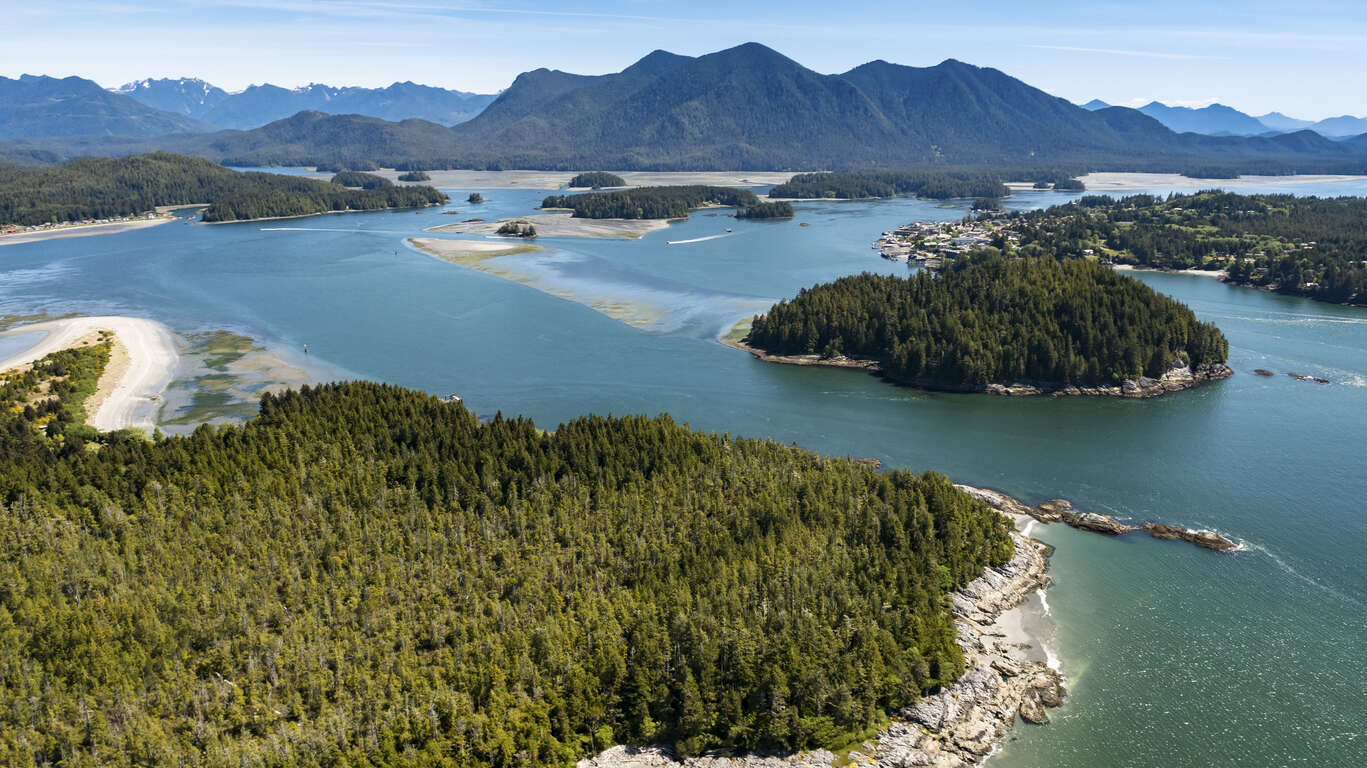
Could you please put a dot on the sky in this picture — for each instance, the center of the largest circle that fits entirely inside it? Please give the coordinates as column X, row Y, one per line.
column 1304, row 59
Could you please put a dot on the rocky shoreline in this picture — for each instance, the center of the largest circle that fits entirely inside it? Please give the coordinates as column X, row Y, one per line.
column 1061, row 511
column 1175, row 380
column 956, row 727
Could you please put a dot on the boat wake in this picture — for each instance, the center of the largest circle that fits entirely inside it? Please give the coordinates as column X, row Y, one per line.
column 1289, row 569
column 698, row 239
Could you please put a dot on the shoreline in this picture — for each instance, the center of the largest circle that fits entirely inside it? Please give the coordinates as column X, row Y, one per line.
column 318, row 213
column 83, row 230
column 1218, row 273
column 963, row 725
column 1177, row 379
column 130, row 395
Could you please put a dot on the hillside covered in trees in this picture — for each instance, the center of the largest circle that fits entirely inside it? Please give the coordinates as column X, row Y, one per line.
column 672, row 202
column 93, row 188
column 1304, row 246
column 858, row 185
column 990, row 320
column 368, row 576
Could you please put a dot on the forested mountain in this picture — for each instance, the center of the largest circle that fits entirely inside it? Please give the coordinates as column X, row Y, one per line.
column 1305, row 246
column 748, row 107
column 367, row 576
column 1279, row 122
column 96, row 187
column 1212, row 120
column 39, row 107
column 993, row 320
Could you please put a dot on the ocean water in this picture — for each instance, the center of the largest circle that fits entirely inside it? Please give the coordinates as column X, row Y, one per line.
column 1175, row 656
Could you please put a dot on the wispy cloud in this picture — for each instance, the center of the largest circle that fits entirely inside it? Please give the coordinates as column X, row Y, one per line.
column 1127, row 52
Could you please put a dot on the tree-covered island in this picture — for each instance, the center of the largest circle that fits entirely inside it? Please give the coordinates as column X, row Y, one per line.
column 369, row 576
column 1008, row 326
column 670, row 202
column 597, row 180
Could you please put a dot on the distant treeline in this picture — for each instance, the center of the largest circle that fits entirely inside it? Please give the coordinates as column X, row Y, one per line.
column 597, row 180
column 367, row 576
column 673, row 202
column 853, row 185
column 95, row 188
column 1305, row 246
column 361, row 180
column 994, row 320
column 775, row 210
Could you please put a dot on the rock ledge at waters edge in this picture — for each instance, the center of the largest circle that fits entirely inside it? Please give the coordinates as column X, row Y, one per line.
column 954, row 728
column 1061, row 510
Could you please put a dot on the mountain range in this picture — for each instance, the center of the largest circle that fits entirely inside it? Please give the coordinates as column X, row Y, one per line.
column 1221, row 120
column 41, row 106
column 258, row 105
column 744, row 108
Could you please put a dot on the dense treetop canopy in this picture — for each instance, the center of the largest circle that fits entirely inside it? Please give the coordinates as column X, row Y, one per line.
column 994, row 320
column 368, row 576
column 597, row 180
column 671, row 202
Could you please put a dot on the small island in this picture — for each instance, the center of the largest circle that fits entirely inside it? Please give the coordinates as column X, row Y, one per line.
column 778, row 210
column 1001, row 326
column 414, row 176
column 361, row 180
column 475, row 198
column 517, row 228
column 670, row 202
column 596, row 180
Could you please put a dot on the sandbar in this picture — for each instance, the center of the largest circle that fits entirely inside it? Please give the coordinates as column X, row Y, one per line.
column 1137, row 182
column 562, row 225
column 462, row 251
column 551, row 180
column 140, row 369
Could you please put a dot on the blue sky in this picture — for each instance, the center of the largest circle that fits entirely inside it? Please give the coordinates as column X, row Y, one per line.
column 1305, row 59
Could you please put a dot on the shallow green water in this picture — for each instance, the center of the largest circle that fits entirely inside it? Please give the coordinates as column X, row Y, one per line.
column 1176, row 656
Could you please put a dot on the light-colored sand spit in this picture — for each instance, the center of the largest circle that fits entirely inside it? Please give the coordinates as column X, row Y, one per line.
column 1137, row 182
column 562, row 225
column 558, row 179
column 143, row 367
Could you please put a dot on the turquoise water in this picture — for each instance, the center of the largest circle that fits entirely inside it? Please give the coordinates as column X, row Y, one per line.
column 1176, row 656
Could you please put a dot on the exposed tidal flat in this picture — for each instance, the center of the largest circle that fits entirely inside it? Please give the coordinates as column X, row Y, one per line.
column 1174, row 655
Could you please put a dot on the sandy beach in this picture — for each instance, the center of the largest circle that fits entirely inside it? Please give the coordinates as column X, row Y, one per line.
column 563, row 225
column 140, row 369
column 83, row 230
column 461, row 251
column 1136, row 182
column 1220, row 273
column 558, row 179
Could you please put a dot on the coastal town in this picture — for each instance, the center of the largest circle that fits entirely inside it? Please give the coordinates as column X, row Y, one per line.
column 930, row 243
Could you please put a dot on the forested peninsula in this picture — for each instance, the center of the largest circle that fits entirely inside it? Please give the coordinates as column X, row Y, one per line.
column 669, row 202
column 859, row 185
column 1006, row 326
column 94, row 188
column 1303, row 246
column 368, row 576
